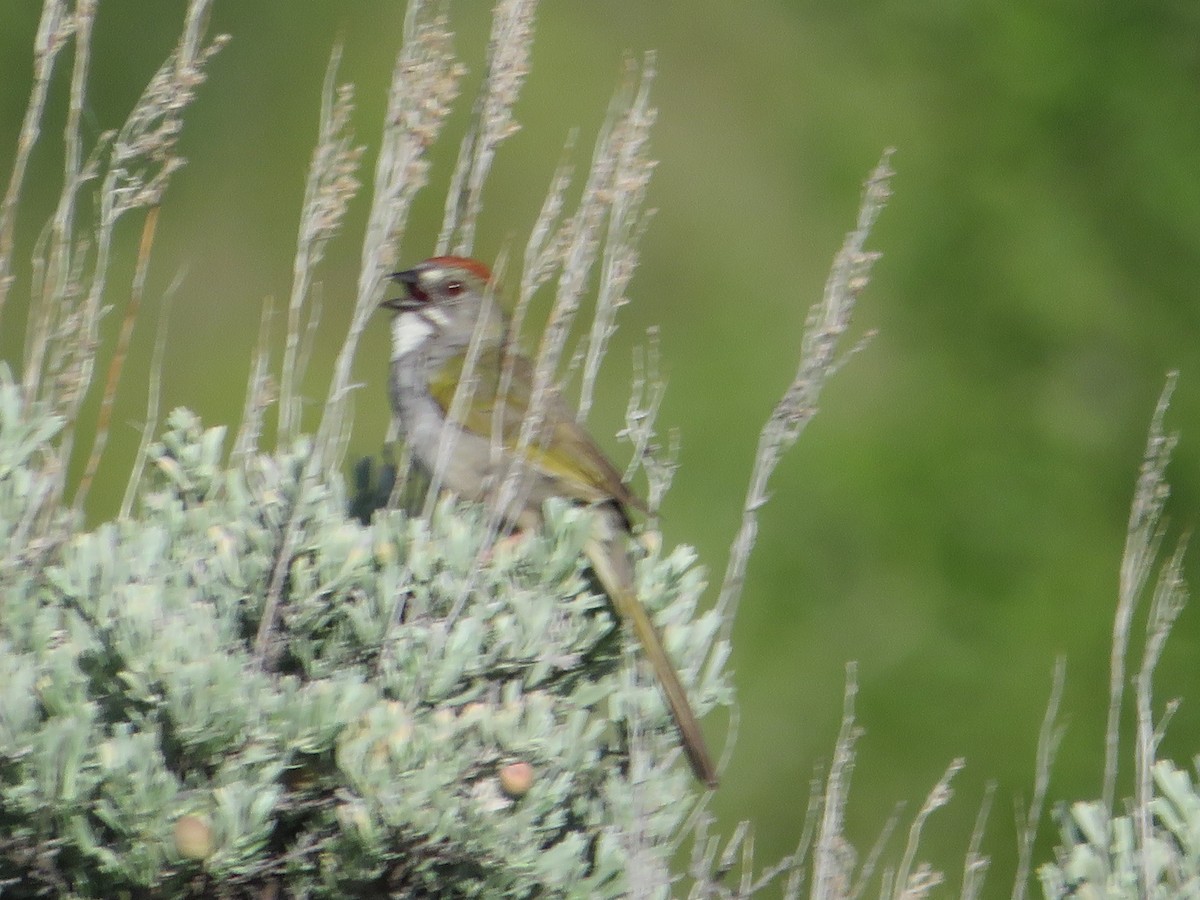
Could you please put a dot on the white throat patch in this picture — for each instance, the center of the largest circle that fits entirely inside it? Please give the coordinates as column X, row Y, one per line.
column 409, row 331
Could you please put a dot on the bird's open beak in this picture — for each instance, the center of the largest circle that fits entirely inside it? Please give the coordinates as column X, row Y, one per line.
column 411, row 279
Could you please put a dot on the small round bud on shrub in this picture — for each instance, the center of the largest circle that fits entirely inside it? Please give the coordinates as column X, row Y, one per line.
column 516, row 779
column 193, row 837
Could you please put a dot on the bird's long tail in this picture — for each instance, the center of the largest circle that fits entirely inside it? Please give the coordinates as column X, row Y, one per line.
column 613, row 568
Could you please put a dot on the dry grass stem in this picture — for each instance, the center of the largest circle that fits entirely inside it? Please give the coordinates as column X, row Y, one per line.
column 579, row 242
column 910, row 883
column 70, row 273
column 259, row 390
column 58, row 269
column 62, row 281
column 646, row 393
column 544, row 248
column 1170, row 597
column 492, row 122
column 54, row 29
column 627, row 222
column 542, row 252
column 315, row 306
column 582, row 238
column 328, row 190
column 827, row 323
column 702, row 859
column 425, row 82
column 735, row 850
column 975, row 865
column 1049, row 738
column 404, row 466
column 1142, row 543
column 117, row 364
column 708, row 871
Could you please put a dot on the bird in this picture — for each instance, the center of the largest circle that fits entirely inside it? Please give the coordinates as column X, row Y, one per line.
column 447, row 302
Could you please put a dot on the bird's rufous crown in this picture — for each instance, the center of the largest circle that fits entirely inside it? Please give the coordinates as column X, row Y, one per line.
column 474, row 266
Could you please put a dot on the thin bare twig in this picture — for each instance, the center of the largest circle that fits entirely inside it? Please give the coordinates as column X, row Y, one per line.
column 975, row 865
column 867, row 869
column 914, row 884
column 153, row 394
column 830, row 878
column 805, row 843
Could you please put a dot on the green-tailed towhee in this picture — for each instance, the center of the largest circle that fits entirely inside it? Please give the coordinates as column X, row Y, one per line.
column 447, row 302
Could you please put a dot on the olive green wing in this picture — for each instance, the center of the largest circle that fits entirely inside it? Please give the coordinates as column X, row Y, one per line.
column 565, row 452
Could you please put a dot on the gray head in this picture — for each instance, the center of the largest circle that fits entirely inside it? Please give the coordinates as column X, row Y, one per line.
column 444, row 299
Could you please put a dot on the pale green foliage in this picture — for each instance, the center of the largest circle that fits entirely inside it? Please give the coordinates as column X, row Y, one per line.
column 366, row 757
column 1103, row 857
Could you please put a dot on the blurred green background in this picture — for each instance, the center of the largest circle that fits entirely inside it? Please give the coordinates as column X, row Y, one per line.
column 954, row 517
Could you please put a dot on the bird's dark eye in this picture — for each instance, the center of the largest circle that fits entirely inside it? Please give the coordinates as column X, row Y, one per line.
column 454, row 288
